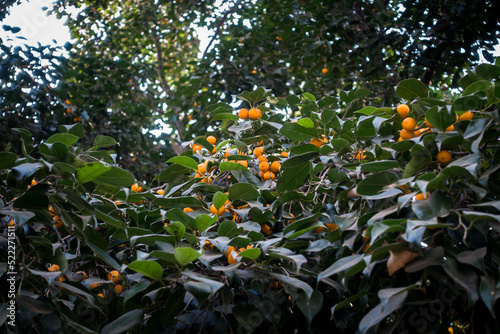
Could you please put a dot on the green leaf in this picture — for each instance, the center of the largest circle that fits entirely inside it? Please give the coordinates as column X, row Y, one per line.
column 185, row 162
column 471, row 102
column 228, row 165
column 25, row 171
column 104, row 256
column 204, row 221
column 174, row 305
column 229, row 229
column 366, row 111
column 243, row 191
column 91, row 171
column 177, row 202
column 7, row 160
column 104, row 141
column 298, row 132
column 489, row 292
column 32, row 200
column 177, row 229
column 185, row 255
column 342, row 264
column 125, row 322
column 252, row 253
column 375, row 183
column 338, row 143
column 293, row 177
column 173, row 172
column 306, row 122
column 403, row 146
column 410, row 89
column 147, row 268
column 441, row 117
column 381, row 311
column 377, row 166
column 201, row 287
column 219, row 199
column 310, row 306
column 66, row 138
column 116, row 177
column 224, row 116
column 75, row 129
column 475, row 258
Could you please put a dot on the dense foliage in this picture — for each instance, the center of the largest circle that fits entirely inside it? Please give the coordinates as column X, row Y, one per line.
column 355, row 229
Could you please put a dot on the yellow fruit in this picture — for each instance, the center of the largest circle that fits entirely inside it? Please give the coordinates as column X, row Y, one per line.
column 264, row 228
column 360, row 155
column 269, row 176
column 243, row 113
column 275, row 166
column 135, row 187
column 262, row 158
column 264, row 166
column 255, row 114
column 444, row 156
column 212, row 140
column 428, row 123
column 324, row 71
column 420, row 196
column 53, row 267
column 409, row 124
column 118, row 288
column 160, row 192
column 317, row 142
column 59, row 223
column 405, row 134
column 403, row 110
column 284, row 154
column 95, row 285
column 114, row 276
column 258, row 151
column 450, row 128
column 467, row 116
column 332, row 226
column 202, row 168
column 186, row 210
column 82, row 275
column 219, row 212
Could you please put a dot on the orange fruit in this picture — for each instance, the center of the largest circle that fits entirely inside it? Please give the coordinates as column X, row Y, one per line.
column 243, row 113
column 118, row 288
column 264, row 228
column 409, row 124
column 243, row 162
column 52, row 211
column 219, row 212
column 284, row 154
column 317, row 142
column 11, row 223
column 405, row 134
column 403, row 110
column 467, row 116
column 114, row 276
column 212, row 140
column 95, row 285
column 264, row 166
column 206, row 180
column 33, row 182
column 360, row 155
column 196, row 148
column 186, row 210
column 202, row 168
column 269, row 176
column 135, row 187
column 450, row 128
column 444, row 156
column 332, row 226
column 53, row 267
column 255, row 114
column 160, row 192
column 258, row 151
column 420, row 196
column 229, row 250
column 59, row 223
column 262, row 158
column 324, row 71
column 100, row 295
column 82, row 275
column 275, row 166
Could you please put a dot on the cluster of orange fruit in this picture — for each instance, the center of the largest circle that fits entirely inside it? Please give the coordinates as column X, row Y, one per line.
column 253, row 113
column 232, row 254
column 267, row 170
column 58, row 221
column 410, row 129
column 197, row 147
